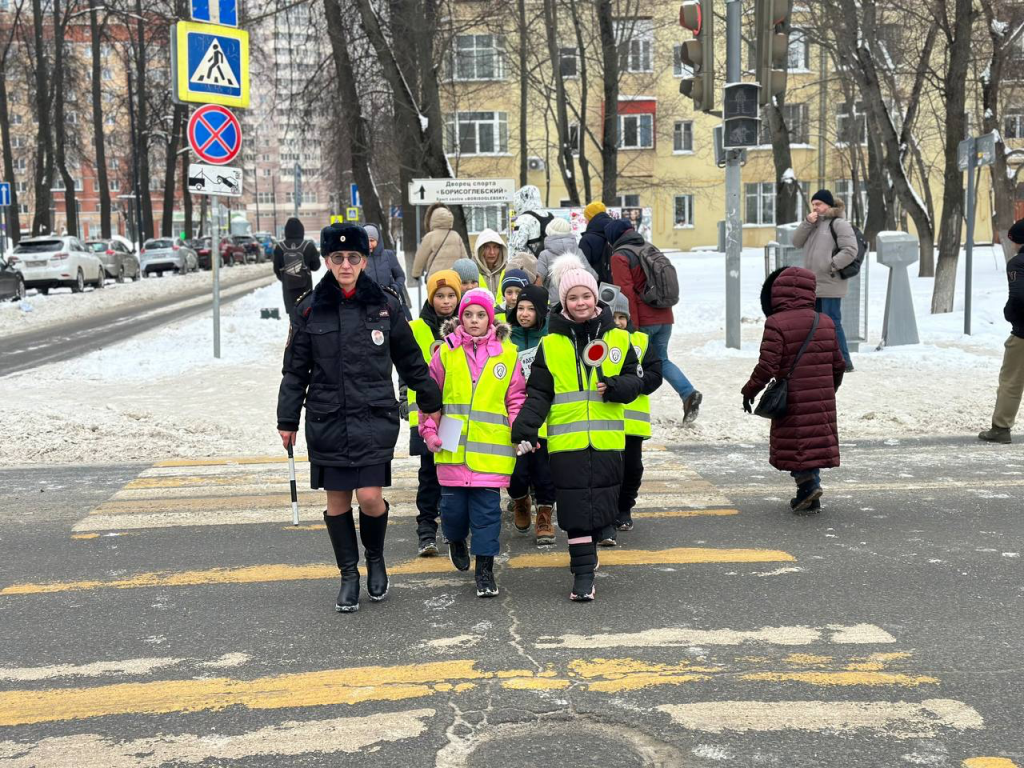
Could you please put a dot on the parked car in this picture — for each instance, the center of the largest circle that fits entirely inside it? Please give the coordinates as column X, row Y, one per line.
column 118, row 260
column 231, row 252
column 252, row 249
column 12, row 284
column 49, row 262
column 163, row 254
column 267, row 243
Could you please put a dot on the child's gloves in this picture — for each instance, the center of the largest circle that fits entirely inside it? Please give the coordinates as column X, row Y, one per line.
column 526, row 447
column 433, row 443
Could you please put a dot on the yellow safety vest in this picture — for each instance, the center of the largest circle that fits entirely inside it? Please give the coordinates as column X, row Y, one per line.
column 485, row 444
column 638, row 413
column 425, row 340
column 579, row 418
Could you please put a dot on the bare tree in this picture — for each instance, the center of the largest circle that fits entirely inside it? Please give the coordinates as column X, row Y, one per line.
column 13, row 214
column 99, row 144
column 44, row 137
column 610, row 127
column 565, row 157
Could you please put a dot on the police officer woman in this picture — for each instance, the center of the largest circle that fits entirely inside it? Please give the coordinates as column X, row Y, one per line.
column 345, row 335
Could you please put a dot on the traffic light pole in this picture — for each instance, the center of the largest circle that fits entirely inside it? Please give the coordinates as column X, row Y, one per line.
column 733, row 222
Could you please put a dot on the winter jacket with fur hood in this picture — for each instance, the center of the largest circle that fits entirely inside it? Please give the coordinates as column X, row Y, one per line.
column 440, row 248
column 490, row 278
column 555, row 246
column 478, row 351
column 820, row 250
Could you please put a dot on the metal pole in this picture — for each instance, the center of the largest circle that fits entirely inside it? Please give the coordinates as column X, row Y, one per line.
column 215, row 258
column 971, row 204
column 419, row 280
column 733, row 179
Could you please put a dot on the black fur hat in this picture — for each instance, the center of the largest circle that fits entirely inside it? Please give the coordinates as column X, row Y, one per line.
column 1016, row 233
column 344, row 237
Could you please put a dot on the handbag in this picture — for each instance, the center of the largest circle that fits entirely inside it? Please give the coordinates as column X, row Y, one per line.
column 775, row 401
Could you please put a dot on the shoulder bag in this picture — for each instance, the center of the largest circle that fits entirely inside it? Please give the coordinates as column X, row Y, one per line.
column 775, row 401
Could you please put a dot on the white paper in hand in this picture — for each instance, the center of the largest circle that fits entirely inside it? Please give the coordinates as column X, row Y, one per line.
column 449, row 431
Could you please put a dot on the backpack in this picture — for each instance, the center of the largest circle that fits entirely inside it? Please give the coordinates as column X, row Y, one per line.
column 294, row 269
column 662, row 289
column 536, row 244
column 853, row 268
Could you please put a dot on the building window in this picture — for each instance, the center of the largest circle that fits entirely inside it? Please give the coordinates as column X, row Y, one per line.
column 635, row 40
column 22, row 207
column 843, row 190
column 574, row 137
column 627, row 201
column 476, row 133
column 1013, row 124
column 107, row 74
column 22, row 187
column 479, row 57
column 568, row 62
column 16, row 118
column 108, row 119
column 796, row 118
column 684, row 211
column 115, row 163
column 890, row 41
column 265, row 173
column 799, row 51
column 265, row 198
column 678, row 68
column 481, row 217
column 115, row 185
column 760, row 203
column 852, row 124
column 20, row 164
column 682, row 136
column 17, row 142
column 636, row 131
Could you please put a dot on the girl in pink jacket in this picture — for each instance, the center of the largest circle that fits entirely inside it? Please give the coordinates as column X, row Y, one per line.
column 483, row 388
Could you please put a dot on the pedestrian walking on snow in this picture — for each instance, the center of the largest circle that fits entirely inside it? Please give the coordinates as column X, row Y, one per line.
column 829, row 244
column 343, row 339
column 441, row 246
column 383, row 268
column 1011, row 375
column 295, row 260
column 805, row 440
column 491, row 257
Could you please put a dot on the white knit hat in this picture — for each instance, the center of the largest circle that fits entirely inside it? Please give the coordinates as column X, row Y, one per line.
column 558, row 226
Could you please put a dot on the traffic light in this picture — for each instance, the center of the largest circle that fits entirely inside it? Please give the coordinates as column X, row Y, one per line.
column 739, row 115
column 699, row 54
column 772, row 51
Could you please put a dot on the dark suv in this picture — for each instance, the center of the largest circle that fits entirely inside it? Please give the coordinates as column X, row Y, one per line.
column 253, row 251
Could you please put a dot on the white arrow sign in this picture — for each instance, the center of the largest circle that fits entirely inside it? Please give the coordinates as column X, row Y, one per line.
column 214, row 180
column 461, row 191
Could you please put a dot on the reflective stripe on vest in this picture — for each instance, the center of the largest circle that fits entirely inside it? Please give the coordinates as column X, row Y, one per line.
column 424, row 338
column 486, row 441
column 580, row 418
column 638, row 413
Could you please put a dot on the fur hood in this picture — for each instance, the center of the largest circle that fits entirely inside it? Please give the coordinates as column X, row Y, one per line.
column 837, row 211
column 502, row 331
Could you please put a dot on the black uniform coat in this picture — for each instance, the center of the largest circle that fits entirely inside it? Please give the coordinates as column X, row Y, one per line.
column 586, row 482
column 333, row 364
column 1014, row 309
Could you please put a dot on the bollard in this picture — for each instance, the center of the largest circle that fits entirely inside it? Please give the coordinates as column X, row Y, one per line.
column 897, row 251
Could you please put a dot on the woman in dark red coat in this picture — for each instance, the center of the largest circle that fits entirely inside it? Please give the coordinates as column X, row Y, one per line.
column 806, row 440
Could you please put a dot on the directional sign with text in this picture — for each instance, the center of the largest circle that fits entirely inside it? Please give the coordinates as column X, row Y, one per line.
column 214, row 180
column 216, row 11
column 461, row 191
column 214, row 134
column 5, row 193
column 211, row 64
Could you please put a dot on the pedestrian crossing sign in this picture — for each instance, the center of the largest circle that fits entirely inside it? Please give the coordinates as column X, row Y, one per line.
column 211, row 64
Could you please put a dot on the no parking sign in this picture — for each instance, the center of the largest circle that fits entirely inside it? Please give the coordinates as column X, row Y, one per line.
column 214, row 134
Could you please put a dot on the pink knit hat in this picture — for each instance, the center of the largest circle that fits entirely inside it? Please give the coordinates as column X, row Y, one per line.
column 571, row 274
column 482, row 297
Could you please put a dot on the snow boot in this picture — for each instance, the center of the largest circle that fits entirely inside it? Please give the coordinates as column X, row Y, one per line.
column 342, row 530
column 607, row 537
column 624, row 522
column 813, row 509
column 999, row 435
column 372, row 531
column 691, row 406
column 543, row 528
column 806, row 494
column 582, row 564
column 427, row 548
column 458, row 552
column 485, row 584
column 521, row 509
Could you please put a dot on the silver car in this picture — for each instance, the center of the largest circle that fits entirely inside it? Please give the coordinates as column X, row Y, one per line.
column 118, row 260
column 164, row 254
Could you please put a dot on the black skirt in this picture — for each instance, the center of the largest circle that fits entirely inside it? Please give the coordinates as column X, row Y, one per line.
column 349, row 478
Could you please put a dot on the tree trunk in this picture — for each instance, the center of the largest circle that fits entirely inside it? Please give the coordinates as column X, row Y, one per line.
column 786, row 187
column 43, row 180
column 99, row 144
column 875, row 221
column 170, row 171
column 60, row 125
column 142, row 126
column 358, row 132
column 588, row 191
column 13, row 215
column 405, row 18
column 953, row 203
column 186, row 198
column 523, row 95
column 610, row 127
column 566, row 163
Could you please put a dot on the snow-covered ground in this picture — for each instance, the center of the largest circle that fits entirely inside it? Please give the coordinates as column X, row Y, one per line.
column 163, row 395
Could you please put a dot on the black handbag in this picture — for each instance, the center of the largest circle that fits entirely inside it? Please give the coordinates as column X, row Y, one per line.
column 775, row 401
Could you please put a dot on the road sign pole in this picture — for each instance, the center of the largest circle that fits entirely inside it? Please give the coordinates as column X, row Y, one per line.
column 215, row 258
column 419, row 280
column 733, row 179
column 971, row 204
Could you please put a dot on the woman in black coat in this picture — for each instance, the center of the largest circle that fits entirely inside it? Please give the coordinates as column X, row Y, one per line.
column 343, row 339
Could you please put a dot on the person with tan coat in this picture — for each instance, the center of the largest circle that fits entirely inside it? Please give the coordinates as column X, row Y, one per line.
column 492, row 258
column 829, row 244
column 441, row 247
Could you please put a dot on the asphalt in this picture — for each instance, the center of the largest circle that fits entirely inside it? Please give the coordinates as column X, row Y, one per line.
column 65, row 341
column 884, row 632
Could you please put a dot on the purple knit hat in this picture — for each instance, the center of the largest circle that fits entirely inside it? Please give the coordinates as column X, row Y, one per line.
column 482, row 297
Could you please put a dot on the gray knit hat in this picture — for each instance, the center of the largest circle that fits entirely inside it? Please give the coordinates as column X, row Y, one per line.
column 468, row 271
column 621, row 306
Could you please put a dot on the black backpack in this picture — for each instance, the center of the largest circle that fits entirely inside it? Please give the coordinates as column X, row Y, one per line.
column 662, row 289
column 536, row 244
column 294, row 268
column 853, row 268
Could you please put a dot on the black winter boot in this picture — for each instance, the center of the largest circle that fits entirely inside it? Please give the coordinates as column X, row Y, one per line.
column 342, row 530
column 372, row 531
column 485, row 583
column 582, row 564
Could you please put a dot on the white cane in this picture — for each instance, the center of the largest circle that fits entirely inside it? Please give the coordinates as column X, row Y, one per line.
column 295, row 494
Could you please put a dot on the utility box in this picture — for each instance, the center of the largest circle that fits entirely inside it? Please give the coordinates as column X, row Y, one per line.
column 897, row 251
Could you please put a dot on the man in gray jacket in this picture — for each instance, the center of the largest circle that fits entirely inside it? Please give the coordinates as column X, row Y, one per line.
column 825, row 254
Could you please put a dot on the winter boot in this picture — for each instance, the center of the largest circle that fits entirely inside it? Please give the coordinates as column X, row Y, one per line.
column 813, row 509
column 996, row 435
column 608, row 537
column 458, row 552
column 582, row 564
column 428, row 547
column 624, row 522
column 807, row 493
column 691, row 406
column 372, row 531
column 342, row 530
column 485, row 584
column 521, row 509
column 543, row 528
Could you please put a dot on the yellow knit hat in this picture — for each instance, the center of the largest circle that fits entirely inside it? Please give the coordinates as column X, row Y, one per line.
column 444, row 278
column 593, row 209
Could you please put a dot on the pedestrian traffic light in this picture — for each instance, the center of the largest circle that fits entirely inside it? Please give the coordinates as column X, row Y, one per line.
column 699, row 54
column 772, row 49
column 739, row 115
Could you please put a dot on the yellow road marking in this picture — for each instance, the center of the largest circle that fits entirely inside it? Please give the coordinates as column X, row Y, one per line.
column 285, row 572
column 838, row 488
column 989, row 762
column 687, row 513
column 229, row 460
column 842, row 678
column 83, row 536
